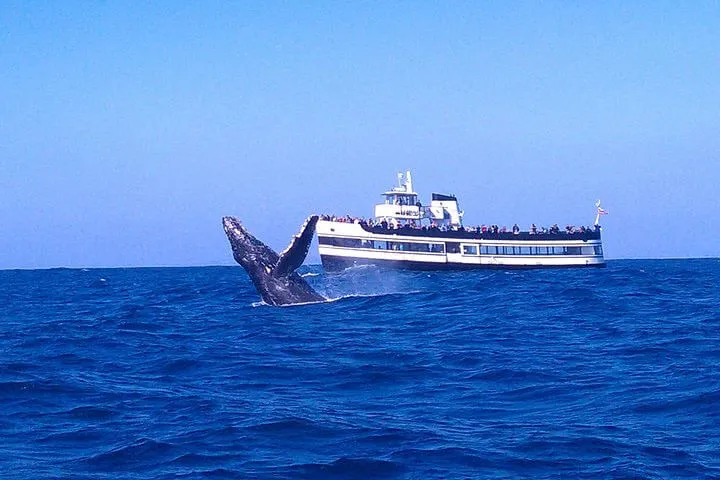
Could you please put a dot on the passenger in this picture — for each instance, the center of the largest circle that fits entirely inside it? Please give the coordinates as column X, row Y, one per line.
column 503, row 229
column 516, row 229
column 533, row 229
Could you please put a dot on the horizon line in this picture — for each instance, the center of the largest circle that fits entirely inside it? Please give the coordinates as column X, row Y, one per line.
column 117, row 267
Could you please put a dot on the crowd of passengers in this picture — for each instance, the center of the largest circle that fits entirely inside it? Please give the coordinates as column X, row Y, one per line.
column 487, row 229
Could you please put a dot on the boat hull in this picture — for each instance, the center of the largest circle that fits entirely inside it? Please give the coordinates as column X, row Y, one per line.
column 332, row 263
column 343, row 245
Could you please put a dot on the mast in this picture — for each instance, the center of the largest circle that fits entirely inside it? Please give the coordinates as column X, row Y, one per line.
column 600, row 211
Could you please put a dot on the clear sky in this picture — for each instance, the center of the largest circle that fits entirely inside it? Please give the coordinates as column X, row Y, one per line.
column 127, row 129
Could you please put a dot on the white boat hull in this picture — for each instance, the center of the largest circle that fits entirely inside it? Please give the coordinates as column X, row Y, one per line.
column 346, row 244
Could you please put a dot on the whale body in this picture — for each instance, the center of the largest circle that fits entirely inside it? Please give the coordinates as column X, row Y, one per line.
column 274, row 275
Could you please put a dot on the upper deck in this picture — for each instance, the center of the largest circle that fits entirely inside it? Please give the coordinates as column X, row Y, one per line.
column 474, row 234
column 403, row 215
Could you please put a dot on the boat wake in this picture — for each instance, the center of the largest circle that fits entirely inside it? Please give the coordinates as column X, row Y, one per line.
column 367, row 266
column 371, row 295
column 338, row 298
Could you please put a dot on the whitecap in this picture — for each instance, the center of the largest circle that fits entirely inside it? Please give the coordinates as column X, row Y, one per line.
column 358, row 267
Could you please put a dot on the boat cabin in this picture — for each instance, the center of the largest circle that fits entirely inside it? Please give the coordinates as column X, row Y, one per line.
column 401, row 206
column 393, row 198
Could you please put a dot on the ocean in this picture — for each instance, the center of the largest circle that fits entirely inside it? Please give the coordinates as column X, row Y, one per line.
column 175, row 373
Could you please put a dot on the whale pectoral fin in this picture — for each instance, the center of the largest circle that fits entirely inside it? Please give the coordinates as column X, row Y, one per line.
column 294, row 255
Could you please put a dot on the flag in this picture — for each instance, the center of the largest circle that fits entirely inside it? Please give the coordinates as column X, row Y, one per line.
column 602, row 211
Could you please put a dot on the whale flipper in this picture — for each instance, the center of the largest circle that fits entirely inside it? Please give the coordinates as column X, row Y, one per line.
column 274, row 275
column 294, row 255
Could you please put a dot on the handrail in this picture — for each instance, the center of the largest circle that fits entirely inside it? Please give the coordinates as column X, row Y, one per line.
column 464, row 234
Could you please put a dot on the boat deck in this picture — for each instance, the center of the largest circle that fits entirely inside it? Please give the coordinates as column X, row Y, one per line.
column 474, row 235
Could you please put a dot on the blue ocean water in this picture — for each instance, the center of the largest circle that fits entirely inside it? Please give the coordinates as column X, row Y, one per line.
column 181, row 373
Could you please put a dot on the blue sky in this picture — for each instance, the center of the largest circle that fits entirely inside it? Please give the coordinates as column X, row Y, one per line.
column 128, row 129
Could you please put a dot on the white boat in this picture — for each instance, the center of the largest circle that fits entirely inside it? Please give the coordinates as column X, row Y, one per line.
column 407, row 234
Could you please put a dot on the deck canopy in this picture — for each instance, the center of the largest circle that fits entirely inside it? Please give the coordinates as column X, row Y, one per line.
column 441, row 197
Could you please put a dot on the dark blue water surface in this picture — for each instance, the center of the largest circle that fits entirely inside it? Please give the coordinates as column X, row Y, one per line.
column 179, row 373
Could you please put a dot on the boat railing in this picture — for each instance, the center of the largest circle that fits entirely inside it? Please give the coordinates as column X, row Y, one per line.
column 474, row 235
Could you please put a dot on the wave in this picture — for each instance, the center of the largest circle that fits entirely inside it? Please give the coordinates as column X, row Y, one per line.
column 354, row 268
column 144, row 452
column 346, row 467
column 373, row 295
column 338, row 298
column 262, row 303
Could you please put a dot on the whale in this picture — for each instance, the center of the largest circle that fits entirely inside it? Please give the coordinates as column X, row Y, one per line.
column 273, row 274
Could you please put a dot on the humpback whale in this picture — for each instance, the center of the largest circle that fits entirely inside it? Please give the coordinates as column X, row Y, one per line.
column 274, row 275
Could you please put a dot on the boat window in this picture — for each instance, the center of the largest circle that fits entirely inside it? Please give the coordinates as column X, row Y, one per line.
column 416, row 247
column 515, row 250
column 341, row 242
column 437, row 248
column 452, row 247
